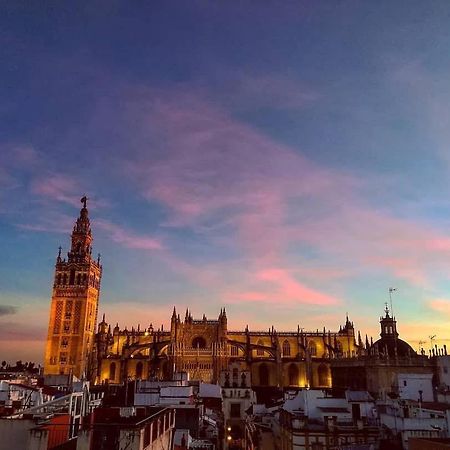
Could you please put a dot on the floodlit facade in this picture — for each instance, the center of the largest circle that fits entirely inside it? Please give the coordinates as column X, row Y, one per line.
column 74, row 305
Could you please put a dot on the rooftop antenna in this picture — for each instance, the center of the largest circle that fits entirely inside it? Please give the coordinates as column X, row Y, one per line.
column 391, row 290
column 432, row 338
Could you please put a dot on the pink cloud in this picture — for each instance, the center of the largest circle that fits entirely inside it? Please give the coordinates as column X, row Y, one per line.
column 374, row 239
column 219, row 173
column 57, row 187
column 263, row 202
column 126, row 238
column 279, row 286
column 440, row 305
column 240, row 188
column 51, row 222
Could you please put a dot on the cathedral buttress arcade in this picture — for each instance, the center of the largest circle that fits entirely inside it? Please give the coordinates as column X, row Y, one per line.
column 204, row 348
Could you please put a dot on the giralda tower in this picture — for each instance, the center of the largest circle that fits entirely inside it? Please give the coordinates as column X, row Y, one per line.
column 74, row 306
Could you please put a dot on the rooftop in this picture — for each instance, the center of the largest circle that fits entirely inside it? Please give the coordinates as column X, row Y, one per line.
column 133, row 416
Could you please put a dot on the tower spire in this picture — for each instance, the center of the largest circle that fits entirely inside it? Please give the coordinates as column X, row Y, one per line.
column 81, row 247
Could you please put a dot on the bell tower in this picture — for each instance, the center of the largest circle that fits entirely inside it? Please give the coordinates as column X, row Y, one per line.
column 74, row 304
column 388, row 325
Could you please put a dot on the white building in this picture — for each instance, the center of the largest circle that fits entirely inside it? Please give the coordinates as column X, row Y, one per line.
column 414, row 419
column 415, row 386
column 313, row 420
column 238, row 397
column 176, row 392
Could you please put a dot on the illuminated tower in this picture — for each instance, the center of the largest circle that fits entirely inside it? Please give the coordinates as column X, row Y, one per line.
column 73, row 312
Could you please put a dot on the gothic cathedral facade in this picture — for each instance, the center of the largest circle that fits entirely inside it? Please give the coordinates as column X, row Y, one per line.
column 205, row 348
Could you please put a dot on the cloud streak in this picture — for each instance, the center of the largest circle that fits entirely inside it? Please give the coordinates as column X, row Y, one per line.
column 127, row 238
column 57, row 187
column 6, row 310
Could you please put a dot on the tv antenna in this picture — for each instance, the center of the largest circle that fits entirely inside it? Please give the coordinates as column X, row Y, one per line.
column 391, row 290
column 432, row 338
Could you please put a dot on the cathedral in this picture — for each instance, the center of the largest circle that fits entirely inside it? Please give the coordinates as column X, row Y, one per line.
column 201, row 347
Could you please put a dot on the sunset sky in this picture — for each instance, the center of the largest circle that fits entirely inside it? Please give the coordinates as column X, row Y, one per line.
column 289, row 160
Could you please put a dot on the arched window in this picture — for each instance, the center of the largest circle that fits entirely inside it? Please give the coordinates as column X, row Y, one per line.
column 260, row 351
column 263, row 375
column 234, row 350
column 65, row 279
column 323, row 373
column 293, row 375
column 139, row 369
column 112, row 371
column 199, row 342
column 59, row 279
column 79, row 279
column 286, row 348
column 72, row 277
column 312, row 348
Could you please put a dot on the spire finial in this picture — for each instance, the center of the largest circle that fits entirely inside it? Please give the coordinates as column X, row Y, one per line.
column 98, row 259
column 59, row 251
column 84, row 200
